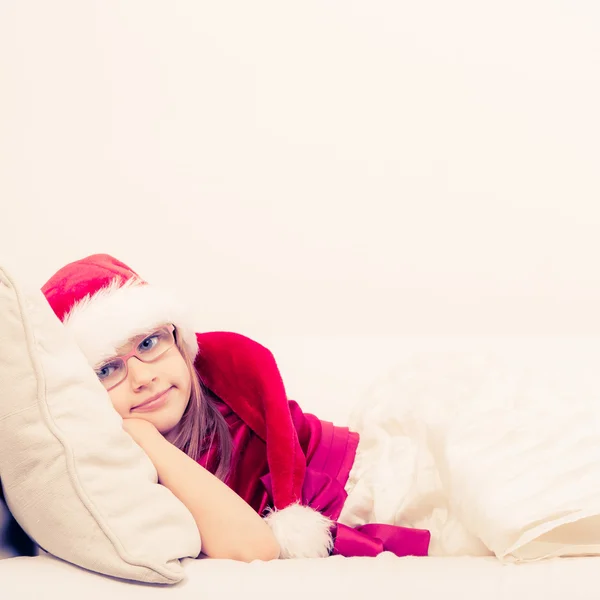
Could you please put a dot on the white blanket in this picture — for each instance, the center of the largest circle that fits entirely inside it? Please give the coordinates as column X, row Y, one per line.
column 491, row 457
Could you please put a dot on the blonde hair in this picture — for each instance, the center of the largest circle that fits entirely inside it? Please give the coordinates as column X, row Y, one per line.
column 202, row 425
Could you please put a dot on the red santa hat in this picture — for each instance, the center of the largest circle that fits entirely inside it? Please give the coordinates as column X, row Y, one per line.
column 104, row 303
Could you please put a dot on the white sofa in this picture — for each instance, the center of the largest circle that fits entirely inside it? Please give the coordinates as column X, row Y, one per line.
column 328, row 375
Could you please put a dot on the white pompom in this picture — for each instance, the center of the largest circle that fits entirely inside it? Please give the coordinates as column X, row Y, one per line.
column 301, row 532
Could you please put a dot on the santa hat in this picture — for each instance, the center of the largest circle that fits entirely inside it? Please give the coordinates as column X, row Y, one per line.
column 104, row 303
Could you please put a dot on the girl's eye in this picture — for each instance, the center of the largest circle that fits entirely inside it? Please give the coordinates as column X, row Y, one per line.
column 148, row 343
column 106, row 370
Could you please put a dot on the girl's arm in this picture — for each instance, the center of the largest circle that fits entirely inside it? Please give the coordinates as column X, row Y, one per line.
column 228, row 526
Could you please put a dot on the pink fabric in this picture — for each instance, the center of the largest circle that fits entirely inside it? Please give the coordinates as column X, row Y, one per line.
column 375, row 538
column 281, row 454
column 330, row 452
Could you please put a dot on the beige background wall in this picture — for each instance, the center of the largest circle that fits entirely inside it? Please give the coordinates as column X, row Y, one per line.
column 372, row 167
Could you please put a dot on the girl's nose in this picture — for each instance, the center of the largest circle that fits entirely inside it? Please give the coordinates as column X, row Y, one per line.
column 139, row 373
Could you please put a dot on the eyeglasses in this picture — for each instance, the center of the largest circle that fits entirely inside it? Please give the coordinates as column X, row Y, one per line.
column 147, row 349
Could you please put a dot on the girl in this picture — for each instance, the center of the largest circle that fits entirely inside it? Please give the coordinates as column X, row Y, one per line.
column 261, row 478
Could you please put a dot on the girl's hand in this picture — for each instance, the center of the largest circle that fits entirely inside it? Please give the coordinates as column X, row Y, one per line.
column 142, row 432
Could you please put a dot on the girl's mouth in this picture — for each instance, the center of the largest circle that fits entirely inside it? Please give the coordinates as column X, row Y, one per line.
column 153, row 403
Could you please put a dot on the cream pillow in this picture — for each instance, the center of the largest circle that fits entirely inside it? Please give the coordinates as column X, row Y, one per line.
column 73, row 479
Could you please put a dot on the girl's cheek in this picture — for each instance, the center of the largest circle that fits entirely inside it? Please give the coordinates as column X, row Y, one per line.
column 118, row 404
column 121, row 411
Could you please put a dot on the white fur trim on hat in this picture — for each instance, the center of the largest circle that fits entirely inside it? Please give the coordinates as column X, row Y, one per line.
column 301, row 532
column 105, row 321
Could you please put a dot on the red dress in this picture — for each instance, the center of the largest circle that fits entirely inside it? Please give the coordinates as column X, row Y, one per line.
column 281, row 455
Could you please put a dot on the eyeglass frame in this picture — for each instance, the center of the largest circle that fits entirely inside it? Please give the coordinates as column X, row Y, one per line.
column 125, row 357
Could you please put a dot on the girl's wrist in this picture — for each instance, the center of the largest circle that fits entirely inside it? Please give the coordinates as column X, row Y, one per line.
column 143, row 432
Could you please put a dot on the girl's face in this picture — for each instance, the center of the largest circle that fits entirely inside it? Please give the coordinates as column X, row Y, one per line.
column 157, row 391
